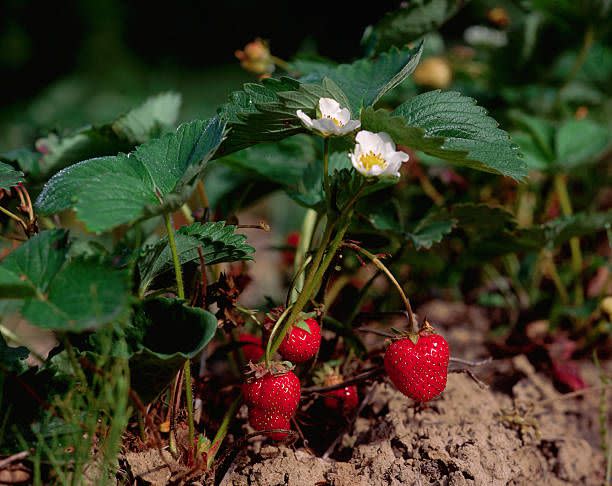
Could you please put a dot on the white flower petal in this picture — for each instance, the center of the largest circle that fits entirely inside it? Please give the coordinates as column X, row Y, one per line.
column 329, row 107
column 354, row 156
column 305, row 119
column 368, row 140
column 396, row 157
column 393, row 167
column 351, row 126
column 343, row 116
column 325, row 126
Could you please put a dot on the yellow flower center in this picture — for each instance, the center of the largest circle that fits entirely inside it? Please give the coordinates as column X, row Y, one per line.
column 371, row 160
column 335, row 120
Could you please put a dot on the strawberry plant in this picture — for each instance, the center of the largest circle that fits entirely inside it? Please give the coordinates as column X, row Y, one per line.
column 461, row 170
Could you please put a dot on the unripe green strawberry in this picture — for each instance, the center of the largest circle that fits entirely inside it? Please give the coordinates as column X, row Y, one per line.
column 266, row 420
column 418, row 370
column 300, row 344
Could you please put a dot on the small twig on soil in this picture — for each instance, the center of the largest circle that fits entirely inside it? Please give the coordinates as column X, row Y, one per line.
column 378, row 332
column 20, row 456
column 470, row 363
column 351, row 381
column 478, row 381
column 301, row 434
column 349, row 426
column 573, row 394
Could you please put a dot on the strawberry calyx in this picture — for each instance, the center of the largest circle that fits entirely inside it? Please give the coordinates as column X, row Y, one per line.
column 303, row 322
column 255, row 371
column 426, row 329
column 327, row 375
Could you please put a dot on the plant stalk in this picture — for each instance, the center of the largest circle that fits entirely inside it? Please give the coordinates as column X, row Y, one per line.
column 180, row 288
column 326, row 183
column 222, row 431
column 308, row 225
column 560, row 182
column 381, row 266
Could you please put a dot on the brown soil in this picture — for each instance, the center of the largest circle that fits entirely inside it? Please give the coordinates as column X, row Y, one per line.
column 464, row 438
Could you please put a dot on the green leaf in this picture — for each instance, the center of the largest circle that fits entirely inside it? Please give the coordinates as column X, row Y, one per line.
column 165, row 333
column 452, row 127
column 85, row 294
column 561, row 230
column 26, row 159
column 147, row 121
column 533, row 156
column 365, row 81
column 158, row 176
column 12, row 359
column 429, row 231
column 38, row 260
column 9, row 177
column 218, row 242
column 266, row 112
column 64, row 295
column 12, row 286
column 411, row 21
column 542, row 131
column 580, row 141
column 281, row 163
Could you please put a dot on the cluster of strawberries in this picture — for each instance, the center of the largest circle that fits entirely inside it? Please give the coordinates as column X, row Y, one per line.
column 416, row 364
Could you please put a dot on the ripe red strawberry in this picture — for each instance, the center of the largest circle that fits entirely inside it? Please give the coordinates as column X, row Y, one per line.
column 253, row 350
column 300, row 345
column 279, row 394
column 345, row 399
column 288, row 255
column 418, row 370
column 265, row 420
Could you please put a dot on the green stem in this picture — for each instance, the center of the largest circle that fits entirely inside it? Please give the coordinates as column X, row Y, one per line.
column 180, row 288
column 321, row 261
column 308, row 225
column 587, row 43
column 222, row 431
column 560, row 182
column 326, row 183
column 189, row 400
column 175, row 258
column 381, row 266
column 14, row 217
column 554, row 275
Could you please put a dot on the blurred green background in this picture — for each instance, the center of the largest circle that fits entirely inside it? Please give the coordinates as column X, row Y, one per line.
column 65, row 64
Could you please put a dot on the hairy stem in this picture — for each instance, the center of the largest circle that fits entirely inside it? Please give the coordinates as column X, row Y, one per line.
column 222, row 431
column 189, row 400
column 326, row 183
column 381, row 266
column 308, row 225
column 181, row 295
column 180, row 289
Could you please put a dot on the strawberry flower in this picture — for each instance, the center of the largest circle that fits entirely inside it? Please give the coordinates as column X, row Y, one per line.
column 375, row 155
column 333, row 120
